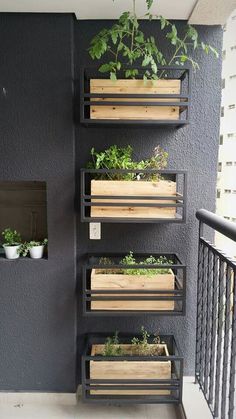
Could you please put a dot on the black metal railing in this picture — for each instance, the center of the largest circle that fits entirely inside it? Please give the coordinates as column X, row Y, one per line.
column 216, row 319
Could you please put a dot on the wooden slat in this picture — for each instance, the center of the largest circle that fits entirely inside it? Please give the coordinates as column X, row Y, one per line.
column 135, row 112
column 129, row 282
column 133, row 188
column 125, row 370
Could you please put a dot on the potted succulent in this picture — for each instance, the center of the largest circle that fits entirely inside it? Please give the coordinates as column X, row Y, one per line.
column 34, row 248
column 123, row 48
column 12, row 243
column 127, row 183
column 121, row 370
column 134, row 278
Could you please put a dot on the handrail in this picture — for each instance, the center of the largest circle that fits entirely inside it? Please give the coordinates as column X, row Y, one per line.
column 218, row 223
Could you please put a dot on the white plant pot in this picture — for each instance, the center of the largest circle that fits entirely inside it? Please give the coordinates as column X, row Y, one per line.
column 11, row 252
column 36, row 252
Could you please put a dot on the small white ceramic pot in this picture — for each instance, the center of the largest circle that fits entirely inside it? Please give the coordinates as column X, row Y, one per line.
column 11, row 252
column 36, row 252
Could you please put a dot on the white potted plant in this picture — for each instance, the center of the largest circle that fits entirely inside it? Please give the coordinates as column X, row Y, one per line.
column 34, row 248
column 12, row 243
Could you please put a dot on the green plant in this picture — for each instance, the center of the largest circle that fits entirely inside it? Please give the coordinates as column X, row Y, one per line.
column 26, row 246
column 142, row 347
column 112, row 346
column 11, row 237
column 151, row 260
column 122, row 158
column 124, row 44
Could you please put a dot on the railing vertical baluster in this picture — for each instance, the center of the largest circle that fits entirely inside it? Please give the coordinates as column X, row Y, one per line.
column 199, row 303
column 208, row 322
column 225, row 388
column 214, row 312
column 233, row 353
column 204, row 317
column 220, row 338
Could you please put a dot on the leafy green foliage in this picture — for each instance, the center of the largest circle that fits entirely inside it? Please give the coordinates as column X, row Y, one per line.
column 122, row 158
column 124, row 44
column 26, row 246
column 11, row 237
column 151, row 260
column 141, row 346
column 129, row 259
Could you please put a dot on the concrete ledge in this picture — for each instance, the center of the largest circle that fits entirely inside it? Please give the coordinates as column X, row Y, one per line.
column 194, row 403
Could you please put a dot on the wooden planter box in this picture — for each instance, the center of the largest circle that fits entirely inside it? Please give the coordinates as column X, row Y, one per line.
column 129, row 370
column 101, row 281
column 133, row 188
column 145, row 112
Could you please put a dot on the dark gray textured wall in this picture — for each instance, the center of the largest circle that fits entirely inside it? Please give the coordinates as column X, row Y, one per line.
column 193, row 148
column 37, row 298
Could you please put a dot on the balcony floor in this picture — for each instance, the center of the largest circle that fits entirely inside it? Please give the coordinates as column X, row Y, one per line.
column 49, row 406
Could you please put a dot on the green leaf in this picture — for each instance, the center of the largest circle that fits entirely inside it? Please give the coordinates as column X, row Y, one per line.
column 114, row 37
column 104, row 68
column 149, row 3
column 146, row 61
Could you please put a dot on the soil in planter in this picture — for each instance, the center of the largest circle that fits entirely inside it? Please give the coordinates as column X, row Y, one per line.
column 133, row 188
column 118, row 281
column 124, row 86
column 129, row 370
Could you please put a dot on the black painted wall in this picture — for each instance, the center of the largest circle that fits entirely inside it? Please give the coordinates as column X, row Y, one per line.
column 38, row 323
column 37, row 298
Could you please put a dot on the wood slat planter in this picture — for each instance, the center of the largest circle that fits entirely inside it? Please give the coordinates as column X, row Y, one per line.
column 129, row 102
column 101, row 281
column 133, row 188
column 129, row 370
column 124, row 86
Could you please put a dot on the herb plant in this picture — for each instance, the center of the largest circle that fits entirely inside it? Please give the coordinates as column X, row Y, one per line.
column 141, row 346
column 151, row 260
column 11, row 237
column 122, row 158
column 26, row 246
column 125, row 45
column 129, row 259
column 112, row 346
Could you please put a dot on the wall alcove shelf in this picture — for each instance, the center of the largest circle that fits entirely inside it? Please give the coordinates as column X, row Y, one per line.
column 111, row 289
column 151, row 379
column 129, row 102
column 133, row 201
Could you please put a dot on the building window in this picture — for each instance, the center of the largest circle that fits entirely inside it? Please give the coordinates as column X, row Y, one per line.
column 233, row 76
column 223, row 83
column 234, row 220
column 222, row 112
column 219, row 167
column 231, row 135
column 232, row 106
column 224, row 54
column 227, row 190
column 227, row 218
column 229, row 163
column 234, row 191
column 221, row 139
column 233, row 47
column 218, row 193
